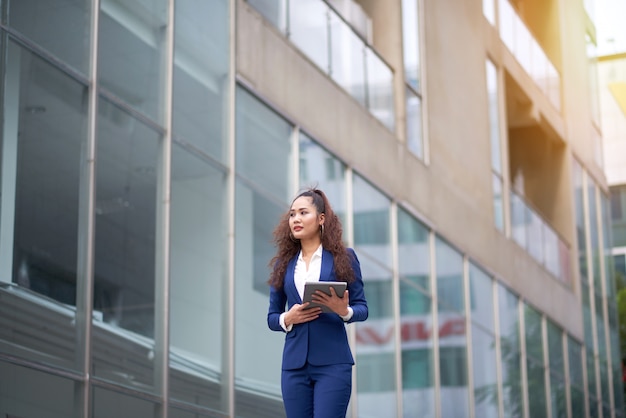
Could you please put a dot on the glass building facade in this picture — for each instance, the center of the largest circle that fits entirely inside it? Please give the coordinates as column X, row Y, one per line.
column 140, row 181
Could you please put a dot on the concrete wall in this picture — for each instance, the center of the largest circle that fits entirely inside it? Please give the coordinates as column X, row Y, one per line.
column 453, row 193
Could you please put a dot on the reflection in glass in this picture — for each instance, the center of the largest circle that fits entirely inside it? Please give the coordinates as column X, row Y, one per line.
column 416, row 321
column 380, row 89
column 498, row 204
column 576, row 378
column 308, row 30
column 263, row 147
column 126, row 205
column 375, row 343
column 59, row 26
column 273, row 10
column 347, row 64
column 26, row 392
column 535, row 368
column 198, row 232
column 594, row 235
column 201, row 74
column 519, row 220
column 414, row 132
column 262, row 195
column 131, row 52
column 40, row 161
column 452, row 335
column 320, row 168
column 579, row 206
column 411, row 43
column 483, row 343
column 510, row 353
column 494, row 117
column 107, row 403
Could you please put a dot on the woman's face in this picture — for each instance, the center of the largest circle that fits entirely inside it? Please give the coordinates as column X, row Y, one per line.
column 304, row 221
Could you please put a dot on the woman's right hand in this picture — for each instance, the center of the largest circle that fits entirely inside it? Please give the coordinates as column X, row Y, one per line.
column 299, row 314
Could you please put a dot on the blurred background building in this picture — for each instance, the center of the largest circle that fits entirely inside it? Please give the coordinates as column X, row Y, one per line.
column 148, row 148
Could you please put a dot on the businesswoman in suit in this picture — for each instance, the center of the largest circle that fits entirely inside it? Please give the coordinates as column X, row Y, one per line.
column 316, row 378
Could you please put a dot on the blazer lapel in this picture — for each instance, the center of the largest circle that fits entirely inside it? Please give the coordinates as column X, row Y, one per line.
column 327, row 266
column 290, row 283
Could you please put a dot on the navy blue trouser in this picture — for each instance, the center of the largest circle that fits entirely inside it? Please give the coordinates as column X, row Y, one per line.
column 317, row 391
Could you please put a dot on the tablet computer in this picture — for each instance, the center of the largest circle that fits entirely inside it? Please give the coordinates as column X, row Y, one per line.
column 311, row 287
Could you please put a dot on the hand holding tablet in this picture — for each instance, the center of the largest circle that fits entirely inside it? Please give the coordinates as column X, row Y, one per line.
column 311, row 287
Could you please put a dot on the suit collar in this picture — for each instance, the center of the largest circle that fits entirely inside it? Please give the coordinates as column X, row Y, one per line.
column 327, row 265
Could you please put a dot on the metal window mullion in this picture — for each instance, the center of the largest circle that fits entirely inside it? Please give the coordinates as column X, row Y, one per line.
column 546, row 365
column 605, row 310
column 349, row 228
column 435, row 324
column 86, row 230
column 496, row 324
column 163, row 203
column 523, row 358
column 228, row 308
column 566, row 374
column 468, row 337
column 393, row 223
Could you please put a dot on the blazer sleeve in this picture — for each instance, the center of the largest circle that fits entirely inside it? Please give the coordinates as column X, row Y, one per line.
column 356, row 291
column 278, row 300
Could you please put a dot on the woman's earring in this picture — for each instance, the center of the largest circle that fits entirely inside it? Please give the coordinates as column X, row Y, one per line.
column 321, row 230
column 292, row 237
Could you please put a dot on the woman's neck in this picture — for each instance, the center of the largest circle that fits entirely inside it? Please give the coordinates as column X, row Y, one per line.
column 309, row 246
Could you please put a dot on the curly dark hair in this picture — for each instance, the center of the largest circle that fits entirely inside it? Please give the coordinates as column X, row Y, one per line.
column 288, row 248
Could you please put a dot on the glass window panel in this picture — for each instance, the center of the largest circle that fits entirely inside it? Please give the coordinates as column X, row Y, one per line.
column 593, row 235
column 587, row 319
column 591, row 372
column 534, row 335
column 374, row 337
column 510, row 355
column 494, row 116
column 198, row 232
column 535, row 373
column 498, row 204
column 618, row 387
column 26, row 392
column 273, row 10
column 558, row 400
column 131, row 52
column 107, row 403
column 201, row 62
column 263, row 159
column 417, row 380
column 347, row 64
column 42, row 154
column 263, row 146
column 320, row 168
column 125, row 245
column 308, row 30
column 449, row 268
column 452, row 336
column 600, row 329
column 380, row 89
column 607, row 244
column 485, row 377
column 577, row 403
column 411, row 43
column 535, row 236
column 62, row 27
column 416, row 322
column 414, row 132
column 489, row 11
column 577, row 174
column 555, row 348
column 481, row 297
column 519, row 220
column 551, row 251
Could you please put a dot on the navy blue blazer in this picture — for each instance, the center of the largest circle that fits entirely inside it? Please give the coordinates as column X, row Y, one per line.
column 322, row 341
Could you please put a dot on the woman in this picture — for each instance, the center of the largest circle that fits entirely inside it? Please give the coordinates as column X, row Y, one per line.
column 317, row 364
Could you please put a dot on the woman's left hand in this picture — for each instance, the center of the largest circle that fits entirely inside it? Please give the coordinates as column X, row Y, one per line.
column 337, row 304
